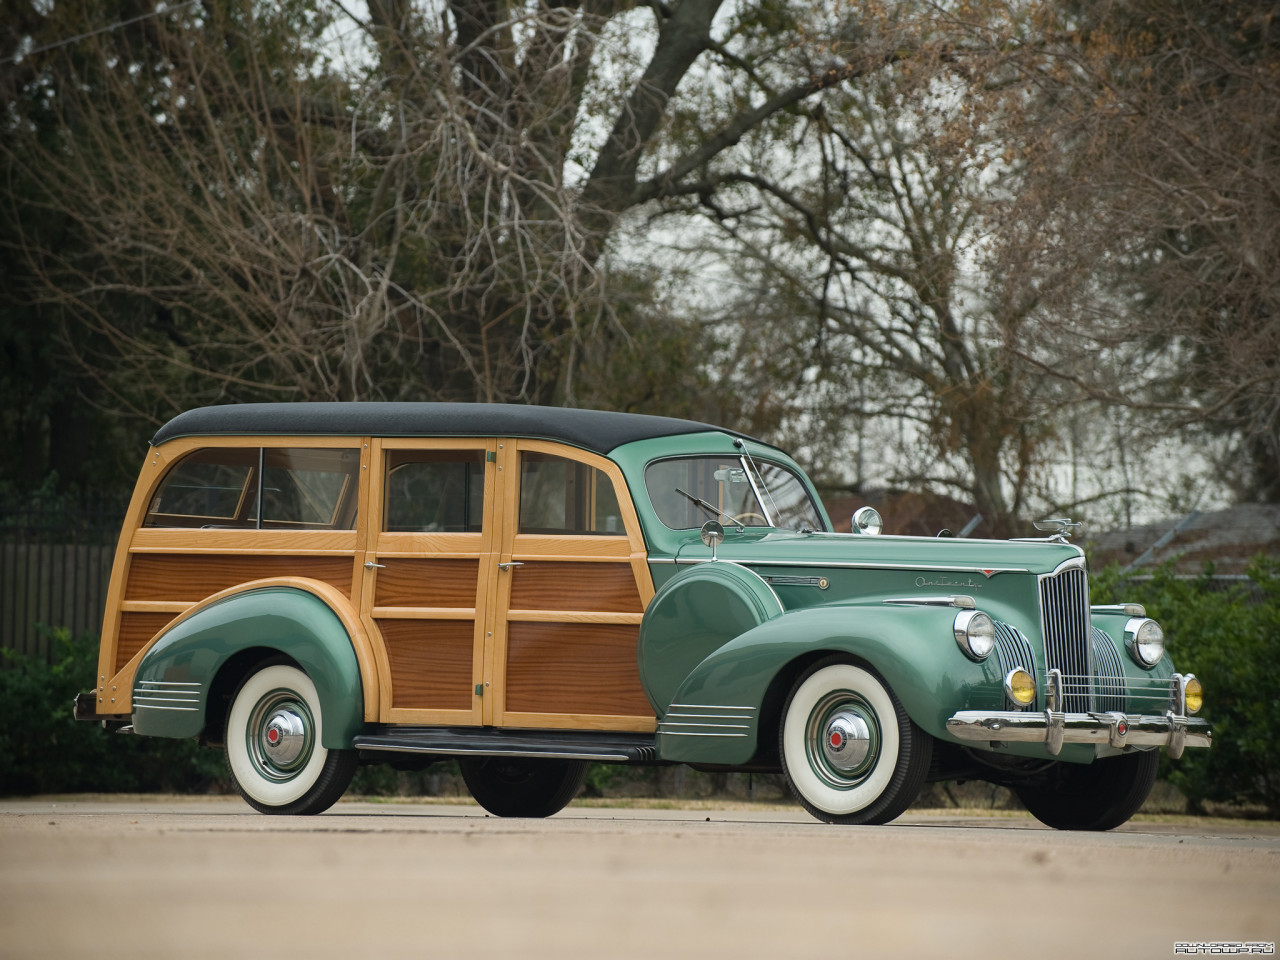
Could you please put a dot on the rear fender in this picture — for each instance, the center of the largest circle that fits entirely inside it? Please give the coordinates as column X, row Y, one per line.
column 177, row 672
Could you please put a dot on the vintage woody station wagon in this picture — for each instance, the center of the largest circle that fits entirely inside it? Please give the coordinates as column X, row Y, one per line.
column 529, row 589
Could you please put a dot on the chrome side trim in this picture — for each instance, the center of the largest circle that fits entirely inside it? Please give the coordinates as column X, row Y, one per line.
column 959, row 600
column 849, row 565
column 681, row 733
column 155, row 694
column 137, row 705
column 708, row 706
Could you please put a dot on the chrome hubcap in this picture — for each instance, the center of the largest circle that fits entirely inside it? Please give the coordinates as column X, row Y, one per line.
column 284, row 738
column 842, row 739
column 280, row 735
column 846, row 741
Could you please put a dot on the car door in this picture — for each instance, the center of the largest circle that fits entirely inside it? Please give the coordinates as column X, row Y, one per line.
column 571, row 587
column 429, row 576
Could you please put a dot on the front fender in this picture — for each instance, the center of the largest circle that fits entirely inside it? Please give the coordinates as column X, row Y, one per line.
column 172, row 684
column 715, row 713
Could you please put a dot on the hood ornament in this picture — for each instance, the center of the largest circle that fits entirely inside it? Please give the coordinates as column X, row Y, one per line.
column 1060, row 529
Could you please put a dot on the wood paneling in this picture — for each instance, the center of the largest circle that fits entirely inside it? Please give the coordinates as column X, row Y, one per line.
column 427, row 583
column 192, row 577
column 606, row 587
column 135, row 630
column 430, row 663
column 574, row 668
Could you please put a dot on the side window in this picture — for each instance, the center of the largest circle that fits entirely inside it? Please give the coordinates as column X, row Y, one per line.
column 309, row 488
column 564, row 496
column 434, row 491
column 298, row 488
column 216, row 487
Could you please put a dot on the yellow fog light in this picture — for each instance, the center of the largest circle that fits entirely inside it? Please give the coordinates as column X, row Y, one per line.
column 1020, row 687
column 1193, row 695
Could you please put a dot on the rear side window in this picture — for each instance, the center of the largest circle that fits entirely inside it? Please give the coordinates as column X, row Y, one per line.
column 558, row 495
column 257, row 488
column 437, row 491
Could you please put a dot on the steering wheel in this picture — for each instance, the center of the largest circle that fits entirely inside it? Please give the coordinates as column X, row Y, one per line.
column 742, row 518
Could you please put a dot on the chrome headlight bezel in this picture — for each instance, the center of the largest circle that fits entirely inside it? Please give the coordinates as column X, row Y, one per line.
column 975, row 634
column 1144, row 639
column 1013, row 680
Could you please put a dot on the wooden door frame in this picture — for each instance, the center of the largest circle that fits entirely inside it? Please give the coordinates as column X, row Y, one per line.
column 514, row 547
column 381, row 544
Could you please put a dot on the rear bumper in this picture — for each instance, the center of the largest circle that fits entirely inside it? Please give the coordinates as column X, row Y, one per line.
column 1053, row 729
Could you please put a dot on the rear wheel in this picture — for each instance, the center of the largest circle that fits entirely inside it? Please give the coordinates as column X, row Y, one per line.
column 273, row 747
column 1094, row 796
column 522, row 786
column 850, row 752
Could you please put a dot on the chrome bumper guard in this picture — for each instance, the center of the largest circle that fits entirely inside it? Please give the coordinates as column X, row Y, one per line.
column 1053, row 729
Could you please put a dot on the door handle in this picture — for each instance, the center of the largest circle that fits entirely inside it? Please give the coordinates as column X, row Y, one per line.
column 509, row 564
column 370, row 565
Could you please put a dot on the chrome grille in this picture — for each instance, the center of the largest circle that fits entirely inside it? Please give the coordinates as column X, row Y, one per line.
column 1013, row 650
column 1064, row 616
column 1108, row 679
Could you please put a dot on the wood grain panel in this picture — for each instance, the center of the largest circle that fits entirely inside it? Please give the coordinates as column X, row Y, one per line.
column 192, row 577
column 135, row 630
column 607, row 587
column 574, row 668
column 427, row 583
column 430, row 663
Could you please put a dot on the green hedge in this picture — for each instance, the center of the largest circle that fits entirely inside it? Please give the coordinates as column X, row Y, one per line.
column 43, row 750
column 1230, row 639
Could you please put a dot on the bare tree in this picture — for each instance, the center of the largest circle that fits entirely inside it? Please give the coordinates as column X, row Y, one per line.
column 1158, row 164
column 251, row 220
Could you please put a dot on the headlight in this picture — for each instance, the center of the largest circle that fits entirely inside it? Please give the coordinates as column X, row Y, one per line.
column 975, row 634
column 1019, row 687
column 1145, row 641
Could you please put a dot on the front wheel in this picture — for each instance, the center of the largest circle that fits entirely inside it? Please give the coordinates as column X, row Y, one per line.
column 273, row 745
column 522, row 786
column 1094, row 796
column 850, row 752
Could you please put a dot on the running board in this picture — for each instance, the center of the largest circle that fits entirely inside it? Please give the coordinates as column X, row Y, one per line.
column 492, row 742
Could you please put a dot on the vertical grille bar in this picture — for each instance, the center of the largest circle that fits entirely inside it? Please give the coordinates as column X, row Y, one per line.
column 1064, row 611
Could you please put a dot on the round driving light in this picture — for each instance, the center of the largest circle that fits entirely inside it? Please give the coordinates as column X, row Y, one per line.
column 867, row 520
column 975, row 633
column 1019, row 686
column 1193, row 695
column 1145, row 641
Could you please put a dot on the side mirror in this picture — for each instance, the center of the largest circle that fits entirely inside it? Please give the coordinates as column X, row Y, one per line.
column 712, row 535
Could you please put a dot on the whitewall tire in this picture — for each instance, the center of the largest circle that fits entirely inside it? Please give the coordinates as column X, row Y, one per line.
column 849, row 751
column 273, row 745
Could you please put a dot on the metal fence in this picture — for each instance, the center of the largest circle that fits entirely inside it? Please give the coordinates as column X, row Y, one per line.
column 55, row 566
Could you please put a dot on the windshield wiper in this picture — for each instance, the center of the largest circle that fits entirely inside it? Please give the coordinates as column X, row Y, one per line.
column 711, row 509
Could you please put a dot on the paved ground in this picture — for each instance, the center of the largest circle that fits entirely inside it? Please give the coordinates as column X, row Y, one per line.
column 141, row 878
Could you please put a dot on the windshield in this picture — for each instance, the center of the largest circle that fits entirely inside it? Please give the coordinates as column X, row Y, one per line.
column 728, row 486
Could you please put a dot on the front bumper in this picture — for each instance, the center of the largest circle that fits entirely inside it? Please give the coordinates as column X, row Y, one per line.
column 1053, row 729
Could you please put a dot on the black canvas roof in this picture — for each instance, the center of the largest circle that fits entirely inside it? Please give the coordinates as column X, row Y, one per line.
column 597, row 430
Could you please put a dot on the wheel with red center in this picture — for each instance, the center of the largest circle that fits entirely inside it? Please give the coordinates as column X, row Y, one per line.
column 273, row 745
column 850, row 752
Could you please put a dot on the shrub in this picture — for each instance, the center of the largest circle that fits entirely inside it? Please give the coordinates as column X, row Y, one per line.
column 1230, row 639
column 43, row 750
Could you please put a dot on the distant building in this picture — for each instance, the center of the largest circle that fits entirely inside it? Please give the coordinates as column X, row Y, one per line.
column 1227, row 538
